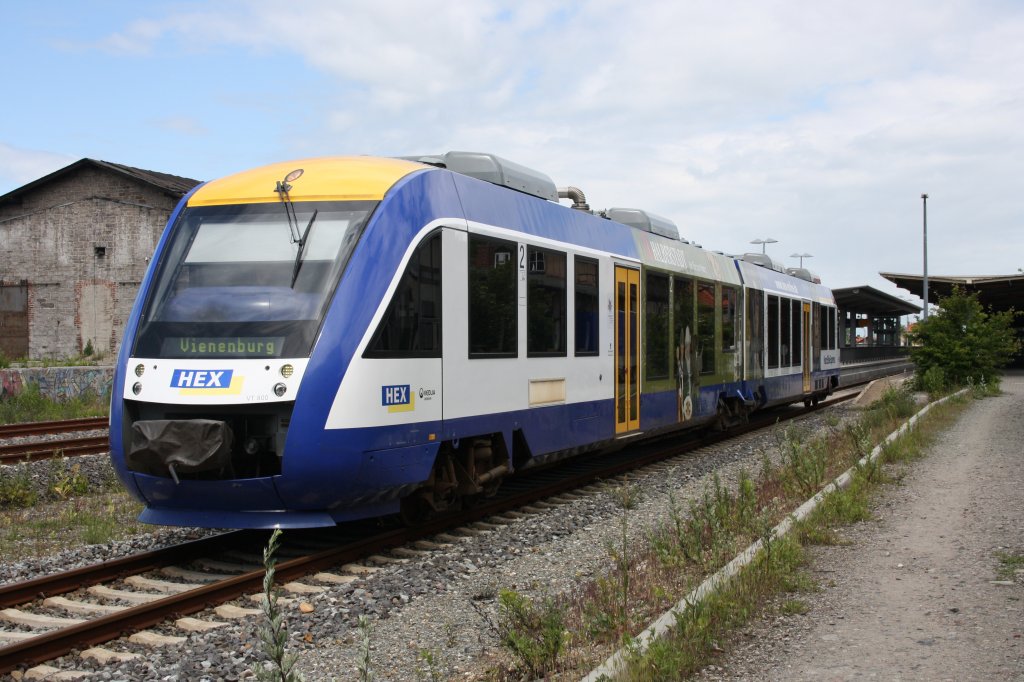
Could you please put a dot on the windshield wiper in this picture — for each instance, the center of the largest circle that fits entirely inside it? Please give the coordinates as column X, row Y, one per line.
column 282, row 189
column 302, row 247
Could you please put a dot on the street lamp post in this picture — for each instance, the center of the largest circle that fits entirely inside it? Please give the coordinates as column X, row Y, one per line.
column 801, row 256
column 924, row 205
column 763, row 242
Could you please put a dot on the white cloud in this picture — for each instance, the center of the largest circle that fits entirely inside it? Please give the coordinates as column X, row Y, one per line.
column 136, row 39
column 21, row 166
column 817, row 124
column 185, row 125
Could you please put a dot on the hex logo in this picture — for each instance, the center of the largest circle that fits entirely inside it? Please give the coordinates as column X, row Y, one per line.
column 397, row 398
column 201, row 378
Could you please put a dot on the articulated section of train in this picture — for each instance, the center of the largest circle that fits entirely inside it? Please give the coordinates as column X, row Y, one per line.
column 337, row 338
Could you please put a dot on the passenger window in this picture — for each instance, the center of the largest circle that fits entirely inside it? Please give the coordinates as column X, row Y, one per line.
column 784, row 318
column 831, row 328
column 587, row 309
column 755, row 333
column 798, row 338
column 773, row 332
column 545, row 302
column 685, row 331
column 730, row 297
column 706, row 327
column 411, row 327
column 656, row 316
column 820, row 331
column 493, row 321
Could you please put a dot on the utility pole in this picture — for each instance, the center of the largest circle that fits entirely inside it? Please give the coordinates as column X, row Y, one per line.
column 924, row 203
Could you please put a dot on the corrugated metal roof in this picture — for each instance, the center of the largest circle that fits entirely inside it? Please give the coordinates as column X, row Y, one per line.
column 998, row 291
column 867, row 299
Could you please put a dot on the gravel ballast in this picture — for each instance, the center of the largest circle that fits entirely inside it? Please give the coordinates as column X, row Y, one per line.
column 441, row 605
column 431, row 615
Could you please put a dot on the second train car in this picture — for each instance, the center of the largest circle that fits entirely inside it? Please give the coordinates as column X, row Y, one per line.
column 337, row 338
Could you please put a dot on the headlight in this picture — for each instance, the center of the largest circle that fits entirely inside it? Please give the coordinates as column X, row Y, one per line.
column 287, row 370
column 137, row 388
column 139, row 369
column 280, row 389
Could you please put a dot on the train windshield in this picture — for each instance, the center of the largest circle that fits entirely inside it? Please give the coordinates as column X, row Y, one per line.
column 233, row 281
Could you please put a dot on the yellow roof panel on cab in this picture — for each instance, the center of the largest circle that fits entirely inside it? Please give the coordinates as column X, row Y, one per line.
column 339, row 178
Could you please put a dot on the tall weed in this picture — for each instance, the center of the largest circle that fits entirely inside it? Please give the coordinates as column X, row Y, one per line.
column 534, row 634
column 273, row 632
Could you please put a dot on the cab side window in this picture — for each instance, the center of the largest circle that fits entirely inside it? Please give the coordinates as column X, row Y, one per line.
column 411, row 327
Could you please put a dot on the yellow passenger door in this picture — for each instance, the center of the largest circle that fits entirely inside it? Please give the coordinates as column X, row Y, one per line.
column 806, row 360
column 627, row 349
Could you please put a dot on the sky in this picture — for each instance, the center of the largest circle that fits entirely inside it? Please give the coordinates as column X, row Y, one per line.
column 816, row 124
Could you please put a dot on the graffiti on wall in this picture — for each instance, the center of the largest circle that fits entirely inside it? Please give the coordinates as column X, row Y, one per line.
column 10, row 382
column 57, row 383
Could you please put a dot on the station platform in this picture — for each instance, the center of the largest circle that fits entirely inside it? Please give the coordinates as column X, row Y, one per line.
column 861, row 372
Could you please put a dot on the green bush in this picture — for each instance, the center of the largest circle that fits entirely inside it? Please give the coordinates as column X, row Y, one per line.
column 932, row 380
column 964, row 340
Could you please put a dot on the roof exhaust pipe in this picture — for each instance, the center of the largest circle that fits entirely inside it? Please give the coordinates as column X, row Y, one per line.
column 579, row 200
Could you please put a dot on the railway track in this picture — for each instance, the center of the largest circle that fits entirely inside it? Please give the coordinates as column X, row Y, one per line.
column 137, row 592
column 49, row 449
column 50, row 427
column 68, row 447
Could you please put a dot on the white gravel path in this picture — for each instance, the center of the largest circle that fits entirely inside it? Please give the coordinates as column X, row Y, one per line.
column 916, row 596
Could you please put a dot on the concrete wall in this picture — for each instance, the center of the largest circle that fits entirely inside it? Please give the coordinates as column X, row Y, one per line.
column 82, row 242
column 57, row 383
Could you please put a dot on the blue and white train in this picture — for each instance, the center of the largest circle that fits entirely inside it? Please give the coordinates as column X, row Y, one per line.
column 337, row 338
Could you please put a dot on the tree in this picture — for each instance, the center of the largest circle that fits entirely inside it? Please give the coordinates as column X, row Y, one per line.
column 964, row 340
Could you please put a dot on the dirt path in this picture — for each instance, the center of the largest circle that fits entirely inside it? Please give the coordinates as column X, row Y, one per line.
column 916, row 595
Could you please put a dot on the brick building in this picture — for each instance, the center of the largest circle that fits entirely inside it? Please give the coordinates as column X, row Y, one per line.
column 74, row 246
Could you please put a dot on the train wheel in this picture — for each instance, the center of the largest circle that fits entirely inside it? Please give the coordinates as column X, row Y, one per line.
column 438, row 494
column 415, row 510
column 807, row 403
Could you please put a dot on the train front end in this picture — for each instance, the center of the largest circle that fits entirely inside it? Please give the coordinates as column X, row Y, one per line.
column 218, row 350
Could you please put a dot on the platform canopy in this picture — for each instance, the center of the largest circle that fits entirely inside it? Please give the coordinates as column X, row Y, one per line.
column 999, row 292
column 869, row 323
column 866, row 299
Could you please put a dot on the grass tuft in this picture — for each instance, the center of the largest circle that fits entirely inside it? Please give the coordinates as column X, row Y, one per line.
column 1011, row 565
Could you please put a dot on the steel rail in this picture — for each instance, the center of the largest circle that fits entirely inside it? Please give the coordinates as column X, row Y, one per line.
column 44, row 428
column 69, row 447
column 55, row 643
column 14, row 594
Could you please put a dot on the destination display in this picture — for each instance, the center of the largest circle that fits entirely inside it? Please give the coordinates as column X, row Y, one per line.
column 218, row 347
